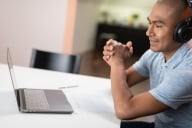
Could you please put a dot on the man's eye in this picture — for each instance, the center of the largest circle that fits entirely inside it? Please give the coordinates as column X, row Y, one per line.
column 159, row 25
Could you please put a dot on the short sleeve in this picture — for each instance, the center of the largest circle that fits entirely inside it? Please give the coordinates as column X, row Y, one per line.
column 141, row 65
column 175, row 89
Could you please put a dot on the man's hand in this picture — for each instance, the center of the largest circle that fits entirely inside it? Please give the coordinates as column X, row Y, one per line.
column 117, row 50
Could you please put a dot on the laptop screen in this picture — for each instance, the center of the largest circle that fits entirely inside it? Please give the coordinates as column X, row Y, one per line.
column 11, row 71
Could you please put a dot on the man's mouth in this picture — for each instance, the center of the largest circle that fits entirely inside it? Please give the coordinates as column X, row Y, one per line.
column 152, row 41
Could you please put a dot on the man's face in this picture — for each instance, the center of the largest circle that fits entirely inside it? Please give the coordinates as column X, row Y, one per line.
column 161, row 27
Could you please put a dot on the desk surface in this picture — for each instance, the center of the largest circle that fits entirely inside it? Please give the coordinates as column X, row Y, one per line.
column 91, row 100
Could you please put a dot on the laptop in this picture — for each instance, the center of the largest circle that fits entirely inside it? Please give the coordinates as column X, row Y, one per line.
column 38, row 100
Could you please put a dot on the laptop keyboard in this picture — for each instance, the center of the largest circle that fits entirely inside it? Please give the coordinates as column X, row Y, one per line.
column 36, row 99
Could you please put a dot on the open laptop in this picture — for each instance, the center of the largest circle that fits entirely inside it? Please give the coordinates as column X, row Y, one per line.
column 38, row 100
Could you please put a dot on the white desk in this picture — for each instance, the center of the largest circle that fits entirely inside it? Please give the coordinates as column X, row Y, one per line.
column 91, row 100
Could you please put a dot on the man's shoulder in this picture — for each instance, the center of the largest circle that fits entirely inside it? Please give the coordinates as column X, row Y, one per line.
column 149, row 54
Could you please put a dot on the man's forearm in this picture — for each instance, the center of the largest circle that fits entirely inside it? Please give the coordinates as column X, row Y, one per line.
column 120, row 90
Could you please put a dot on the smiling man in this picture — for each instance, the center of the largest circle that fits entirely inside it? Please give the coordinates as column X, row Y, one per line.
column 167, row 65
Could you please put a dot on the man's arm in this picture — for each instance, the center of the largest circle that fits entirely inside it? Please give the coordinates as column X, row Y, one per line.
column 127, row 106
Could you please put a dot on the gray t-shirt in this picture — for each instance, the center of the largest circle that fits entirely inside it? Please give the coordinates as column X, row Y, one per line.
column 171, row 84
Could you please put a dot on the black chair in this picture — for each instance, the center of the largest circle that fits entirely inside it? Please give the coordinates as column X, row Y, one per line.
column 55, row 61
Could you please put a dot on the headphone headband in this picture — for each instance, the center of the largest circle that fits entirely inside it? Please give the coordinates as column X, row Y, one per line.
column 189, row 3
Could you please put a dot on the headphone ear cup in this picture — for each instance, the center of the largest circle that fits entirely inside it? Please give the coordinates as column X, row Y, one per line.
column 183, row 31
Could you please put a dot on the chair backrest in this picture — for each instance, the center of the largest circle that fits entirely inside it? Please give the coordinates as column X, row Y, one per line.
column 55, row 61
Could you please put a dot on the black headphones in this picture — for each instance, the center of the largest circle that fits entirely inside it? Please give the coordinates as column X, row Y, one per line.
column 183, row 31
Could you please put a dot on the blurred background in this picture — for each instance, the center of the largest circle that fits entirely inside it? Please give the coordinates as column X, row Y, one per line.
column 71, row 26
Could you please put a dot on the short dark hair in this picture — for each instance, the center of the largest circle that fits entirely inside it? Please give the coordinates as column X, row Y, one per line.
column 179, row 6
column 182, row 3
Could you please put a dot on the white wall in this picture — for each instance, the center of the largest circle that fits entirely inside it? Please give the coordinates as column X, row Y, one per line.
column 85, row 25
column 27, row 24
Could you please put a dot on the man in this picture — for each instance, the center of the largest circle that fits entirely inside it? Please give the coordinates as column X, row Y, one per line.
column 167, row 64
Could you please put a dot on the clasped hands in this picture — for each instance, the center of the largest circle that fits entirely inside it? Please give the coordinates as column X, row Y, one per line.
column 114, row 51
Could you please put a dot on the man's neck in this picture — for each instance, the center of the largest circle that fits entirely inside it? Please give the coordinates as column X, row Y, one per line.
column 168, row 54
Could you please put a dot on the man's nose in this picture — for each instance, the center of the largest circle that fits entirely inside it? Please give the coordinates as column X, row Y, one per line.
column 150, row 30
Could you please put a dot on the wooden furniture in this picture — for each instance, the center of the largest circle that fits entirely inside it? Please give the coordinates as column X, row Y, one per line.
column 122, row 34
